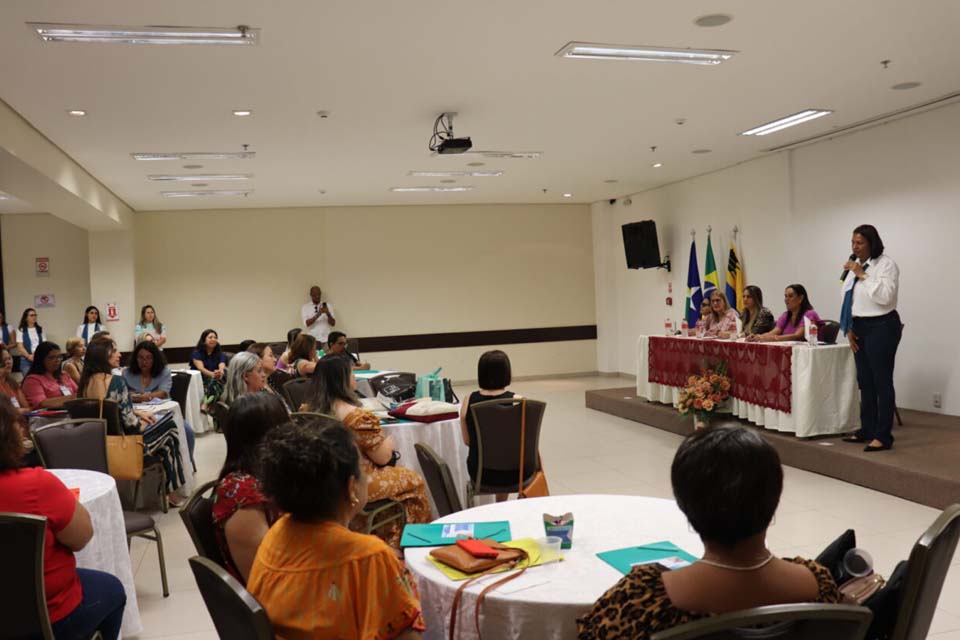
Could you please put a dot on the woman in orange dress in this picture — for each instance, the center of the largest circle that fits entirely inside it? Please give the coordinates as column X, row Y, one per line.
column 333, row 393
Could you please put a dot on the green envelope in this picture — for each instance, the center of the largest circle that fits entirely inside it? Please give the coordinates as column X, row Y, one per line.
column 440, row 535
column 623, row 559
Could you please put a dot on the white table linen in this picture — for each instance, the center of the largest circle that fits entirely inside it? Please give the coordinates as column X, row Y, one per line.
column 107, row 551
column 169, row 405
column 824, row 395
column 200, row 422
column 545, row 601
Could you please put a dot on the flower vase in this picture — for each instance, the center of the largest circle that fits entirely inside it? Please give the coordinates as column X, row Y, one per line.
column 701, row 420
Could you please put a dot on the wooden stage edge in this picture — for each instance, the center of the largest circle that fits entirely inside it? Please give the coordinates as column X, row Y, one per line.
column 922, row 466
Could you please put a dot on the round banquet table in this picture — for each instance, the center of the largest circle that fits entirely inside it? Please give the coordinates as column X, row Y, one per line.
column 107, row 551
column 545, row 601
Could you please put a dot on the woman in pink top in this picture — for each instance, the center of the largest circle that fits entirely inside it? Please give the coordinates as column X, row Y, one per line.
column 46, row 385
column 790, row 325
column 722, row 320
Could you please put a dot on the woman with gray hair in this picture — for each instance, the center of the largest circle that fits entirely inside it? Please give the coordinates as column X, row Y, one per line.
column 244, row 375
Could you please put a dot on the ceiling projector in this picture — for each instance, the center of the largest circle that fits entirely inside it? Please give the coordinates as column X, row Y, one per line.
column 443, row 141
column 454, row 145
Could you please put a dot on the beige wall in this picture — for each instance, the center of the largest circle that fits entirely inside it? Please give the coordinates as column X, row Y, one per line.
column 27, row 237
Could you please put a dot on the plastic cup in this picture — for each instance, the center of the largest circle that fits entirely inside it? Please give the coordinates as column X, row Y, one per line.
column 858, row 563
column 549, row 549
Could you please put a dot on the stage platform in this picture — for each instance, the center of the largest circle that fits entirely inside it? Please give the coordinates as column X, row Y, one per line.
column 923, row 466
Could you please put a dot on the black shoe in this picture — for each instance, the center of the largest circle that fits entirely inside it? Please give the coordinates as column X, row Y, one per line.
column 856, row 438
column 883, row 447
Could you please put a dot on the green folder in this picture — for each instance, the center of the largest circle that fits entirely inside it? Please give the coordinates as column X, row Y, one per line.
column 623, row 559
column 439, row 535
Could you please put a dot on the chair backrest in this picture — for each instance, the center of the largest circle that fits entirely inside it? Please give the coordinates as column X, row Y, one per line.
column 219, row 410
column 297, row 392
column 236, row 614
column 400, row 378
column 197, row 516
column 90, row 408
column 73, row 444
column 23, row 599
column 279, row 378
column 828, row 331
column 437, row 474
column 178, row 391
column 305, row 417
column 927, row 569
column 228, row 356
column 807, row 621
column 498, row 435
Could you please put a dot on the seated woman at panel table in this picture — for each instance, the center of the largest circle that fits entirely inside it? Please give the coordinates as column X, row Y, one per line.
column 721, row 322
column 493, row 377
column 79, row 601
column 46, row 386
column 303, row 356
column 210, row 361
column 244, row 375
column 333, row 392
column 241, row 513
column 756, row 318
column 727, row 481
column 790, row 325
column 150, row 327
column 158, row 439
column 315, row 474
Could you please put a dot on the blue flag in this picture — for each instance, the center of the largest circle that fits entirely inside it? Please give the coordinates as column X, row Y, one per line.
column 694, row 294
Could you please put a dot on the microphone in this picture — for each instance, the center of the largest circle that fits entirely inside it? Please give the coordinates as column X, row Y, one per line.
column 843, row 276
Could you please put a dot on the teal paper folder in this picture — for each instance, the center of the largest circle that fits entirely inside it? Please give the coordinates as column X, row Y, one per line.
column 623, row 559
column 432, row 535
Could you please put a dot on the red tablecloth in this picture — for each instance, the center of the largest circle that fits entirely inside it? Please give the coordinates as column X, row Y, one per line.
column 760, row 372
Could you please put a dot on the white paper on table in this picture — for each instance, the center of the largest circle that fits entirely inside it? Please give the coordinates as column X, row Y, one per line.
column 806, row 328
column 739, row 326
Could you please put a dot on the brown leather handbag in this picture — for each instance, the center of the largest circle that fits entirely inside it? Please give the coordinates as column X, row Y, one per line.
column 537, row 488
column 124, row 454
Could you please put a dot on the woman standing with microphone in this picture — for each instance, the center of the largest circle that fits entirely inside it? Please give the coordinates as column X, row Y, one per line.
column 871, row 323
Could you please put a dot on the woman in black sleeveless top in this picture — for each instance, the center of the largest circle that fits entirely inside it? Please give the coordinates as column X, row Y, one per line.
column 493, row 375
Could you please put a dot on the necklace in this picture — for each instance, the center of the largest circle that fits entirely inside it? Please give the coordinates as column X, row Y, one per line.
column 732, row 567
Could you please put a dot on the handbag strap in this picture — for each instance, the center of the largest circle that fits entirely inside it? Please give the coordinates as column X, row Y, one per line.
column 523, row 442
column 458, row 596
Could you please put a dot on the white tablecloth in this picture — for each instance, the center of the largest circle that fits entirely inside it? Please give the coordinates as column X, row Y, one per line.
column 824, row 396
column 200, row 422
column 170, row 405
column 546, row 600
column 107, row 550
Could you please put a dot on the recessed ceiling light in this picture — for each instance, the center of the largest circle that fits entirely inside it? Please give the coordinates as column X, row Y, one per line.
column 322, row 191
column 77, row 112
column 196, row 155
column 199, row 184
column 50, row 32
column 210, row 177
column 323, row 114
column 611, row 181
column 699, row 151
column 643, row 53
column 491, row 173
column 713, row 20
column 448, row 181
column 789, row 121
column 427, row 189
column 242, row 112
column 903, row 86
column 193, row 166
column 568, row 195
column 657, row 165
column 476, row 164
column 200, row 194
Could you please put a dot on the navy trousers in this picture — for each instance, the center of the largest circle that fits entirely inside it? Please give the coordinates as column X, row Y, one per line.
column 878, row 339
column 100, row 610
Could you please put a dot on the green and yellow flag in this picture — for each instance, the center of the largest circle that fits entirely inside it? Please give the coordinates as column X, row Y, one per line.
column 710, row 280
column 735, row 279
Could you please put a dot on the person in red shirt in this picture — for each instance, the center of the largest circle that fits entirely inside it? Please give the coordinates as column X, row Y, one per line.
column 79, row 601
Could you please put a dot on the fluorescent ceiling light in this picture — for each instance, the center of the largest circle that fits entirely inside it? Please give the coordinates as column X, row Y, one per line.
column 77, row 112
column 427, row 189
column 196, row 155
column 208, row 177
column 243, row 112
column 643, row 53
column 521, row 155
column 50, row 32
column 789, row 121
column 657, row 165
column 568, row 195
column 200, row 194
column 493, row 173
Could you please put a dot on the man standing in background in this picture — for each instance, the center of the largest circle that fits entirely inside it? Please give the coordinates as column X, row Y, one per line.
column 318, row 317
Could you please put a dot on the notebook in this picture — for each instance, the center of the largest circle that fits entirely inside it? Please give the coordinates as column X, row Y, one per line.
column 623, row 560
column 439, row 535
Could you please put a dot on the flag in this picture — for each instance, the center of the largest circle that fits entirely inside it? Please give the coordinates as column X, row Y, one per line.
column 735, row 279
column 710, row 280
column 694, row 295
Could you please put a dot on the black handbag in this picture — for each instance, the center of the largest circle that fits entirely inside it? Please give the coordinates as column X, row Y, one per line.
column 449, row 395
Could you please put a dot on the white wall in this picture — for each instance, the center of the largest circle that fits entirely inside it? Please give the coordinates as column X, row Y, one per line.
column 112, row 281
column 796, row 210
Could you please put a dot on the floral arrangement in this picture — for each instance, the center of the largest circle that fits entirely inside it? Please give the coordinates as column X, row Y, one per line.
column 704, row 393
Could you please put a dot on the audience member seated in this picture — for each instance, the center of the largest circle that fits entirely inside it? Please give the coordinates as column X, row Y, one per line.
column 9, row 387
column 210, row 361
column 790, row 325
column 700, row 329
column 150, row 328
column 246, row 344
column 30, row 335
column 269, row 362
column 303, row 356
column 337, row 346
column 91, row 325
column 283, row 360
column 8, row 335
column 80, row 602
column 333, row 392
column 353, row 586
column 73, row 364
column 46, row 386
column 757, row 319
column 161, row 440
column 244, row 375
column 493, row 377
column 241, row 513
column 727, row 481
column 721, row 322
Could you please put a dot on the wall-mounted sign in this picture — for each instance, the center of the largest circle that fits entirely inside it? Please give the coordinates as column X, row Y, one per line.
column 43, row 267
column 44, row 301
column 112, row 314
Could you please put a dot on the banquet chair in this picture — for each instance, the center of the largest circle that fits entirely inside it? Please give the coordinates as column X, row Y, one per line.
column 439, row 479
column 806, row 621
column 23, row 609
column 926, row 570
column 179, row 389
column 197, row 516
column 296, row 391
column 219, row 411
column 498, row 441
column 828, row 331
column 236, row 614
column 82, row 444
